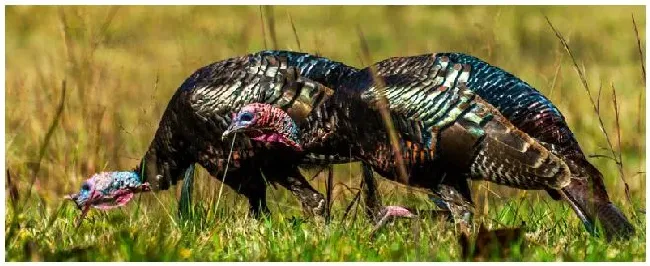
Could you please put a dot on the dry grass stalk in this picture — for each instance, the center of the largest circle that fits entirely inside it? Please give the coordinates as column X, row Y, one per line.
column 382, row 105
column 270, row 16
column 295, row 32
column 14, row 197
column 596, row 107
column 619, row 162
column 46, row 140
column 263, row 28
column 638, row 42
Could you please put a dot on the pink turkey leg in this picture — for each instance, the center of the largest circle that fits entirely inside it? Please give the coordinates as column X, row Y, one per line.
column 391, row 211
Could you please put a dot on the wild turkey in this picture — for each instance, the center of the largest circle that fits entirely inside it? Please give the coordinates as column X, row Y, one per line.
column 192, row 124
column 529, row 111
column 425, row 124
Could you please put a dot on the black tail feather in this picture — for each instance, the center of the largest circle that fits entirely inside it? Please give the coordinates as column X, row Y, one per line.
column 593, row 204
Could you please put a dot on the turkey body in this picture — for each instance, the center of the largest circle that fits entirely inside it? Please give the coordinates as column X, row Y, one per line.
column 529, row 111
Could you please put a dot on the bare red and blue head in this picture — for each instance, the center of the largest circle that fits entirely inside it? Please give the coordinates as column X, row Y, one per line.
column 108, row 190
column 265, row 123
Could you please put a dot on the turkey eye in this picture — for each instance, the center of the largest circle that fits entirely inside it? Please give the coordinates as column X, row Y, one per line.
column 85, row 186
column 245, row 117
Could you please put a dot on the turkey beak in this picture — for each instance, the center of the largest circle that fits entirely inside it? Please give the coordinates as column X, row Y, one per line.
column 70, row 197
column 84, row 212
column 73, row 198
column 94, row 195
column 230, row 132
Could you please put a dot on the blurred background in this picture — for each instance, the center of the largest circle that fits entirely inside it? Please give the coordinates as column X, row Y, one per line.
column 122, row 64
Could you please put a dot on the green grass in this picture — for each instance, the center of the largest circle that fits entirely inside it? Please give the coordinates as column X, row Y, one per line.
column 553, row 234
column 121, row 65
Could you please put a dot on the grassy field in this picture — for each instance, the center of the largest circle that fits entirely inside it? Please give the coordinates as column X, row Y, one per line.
column 120, row 66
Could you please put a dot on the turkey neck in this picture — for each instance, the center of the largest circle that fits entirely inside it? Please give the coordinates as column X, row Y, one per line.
column 199, row 111
column 168, row 155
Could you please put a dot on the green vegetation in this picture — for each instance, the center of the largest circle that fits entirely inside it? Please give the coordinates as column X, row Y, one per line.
column 119, row 67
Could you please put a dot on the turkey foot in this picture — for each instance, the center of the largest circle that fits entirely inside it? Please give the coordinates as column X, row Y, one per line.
column 386, row 213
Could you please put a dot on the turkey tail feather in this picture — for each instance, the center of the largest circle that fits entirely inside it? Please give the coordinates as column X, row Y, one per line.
column 590, row 201
column 508, row 156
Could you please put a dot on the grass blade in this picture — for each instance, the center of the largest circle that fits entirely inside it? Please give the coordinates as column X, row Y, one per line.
column 638, row 43
column 263, row 28
column 185, row 203
column 384, row 110
column 14, row 197
column 46, row 140
column 383, row 107
column 641, row 60
column 225, row 172
column 619, row 162
column 330, row 181
column 595, row 106
column 270, row 16
column 354, row 201
column 295, row 32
